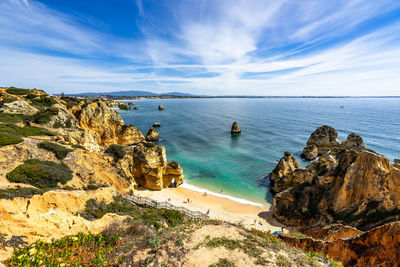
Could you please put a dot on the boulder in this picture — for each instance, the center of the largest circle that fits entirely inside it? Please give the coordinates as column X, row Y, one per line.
column 156, row 124
column 160, row 107
column 18, row 107
column 355, row 141
column 286, row 164
column 152, row 135
column 135, row 108
column 235, row 128
column 310, row 152
column 397, row 161
column 131, row 104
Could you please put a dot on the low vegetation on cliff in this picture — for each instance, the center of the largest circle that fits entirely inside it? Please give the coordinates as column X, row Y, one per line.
column 41, row 174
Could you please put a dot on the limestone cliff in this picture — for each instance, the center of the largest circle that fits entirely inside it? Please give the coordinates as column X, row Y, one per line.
column 106, row 125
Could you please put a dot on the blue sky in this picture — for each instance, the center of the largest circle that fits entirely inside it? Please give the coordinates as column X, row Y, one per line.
column 285, row 47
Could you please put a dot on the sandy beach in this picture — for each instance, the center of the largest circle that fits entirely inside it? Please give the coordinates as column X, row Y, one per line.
column 221, row 208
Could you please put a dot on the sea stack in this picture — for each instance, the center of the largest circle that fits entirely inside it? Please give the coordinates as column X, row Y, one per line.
column 152, row 135
column 160, row 107
column 235, row 128
column 156, row 124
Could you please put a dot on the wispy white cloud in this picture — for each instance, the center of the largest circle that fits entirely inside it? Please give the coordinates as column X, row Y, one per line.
column 212, row 47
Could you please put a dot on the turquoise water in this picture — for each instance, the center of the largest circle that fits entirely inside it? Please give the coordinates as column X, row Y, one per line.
column 196, row 133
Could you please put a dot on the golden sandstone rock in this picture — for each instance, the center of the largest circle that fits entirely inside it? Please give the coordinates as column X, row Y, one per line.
column 93, row 126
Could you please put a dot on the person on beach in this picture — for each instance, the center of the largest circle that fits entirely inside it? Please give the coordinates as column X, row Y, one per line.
column 205, row 194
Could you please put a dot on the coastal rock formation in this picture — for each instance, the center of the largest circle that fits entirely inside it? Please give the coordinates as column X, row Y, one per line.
column 235, row 128
column 376, row 247
column 396, row 161
column 279, row 178
column 160, row 107
column 131, row 104
column 18, row 107
column 346, row 184
column 310, row 152
column 152, row 135
column 151, row 169
column 106, row 125
column 361, row 189
column 156, row 124
column 123, row 106
column 354, row 140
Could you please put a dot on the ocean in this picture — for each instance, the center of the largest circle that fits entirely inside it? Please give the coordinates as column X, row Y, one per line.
column 196, row 134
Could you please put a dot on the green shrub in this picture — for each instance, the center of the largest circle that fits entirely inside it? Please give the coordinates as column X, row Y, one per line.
column 12, row 118
column 71, row 250
column 68, row 123
column 117, row 151
column 31, row 96
column 41, row 174
column 71, row 101
column 57, row 125
column 43, row 117
column 25, row 131
column 9, row 138
column 78, row 147
column 43, row 101
column 223, row 263
column 17, row 91
column 59, row 151
column 9, row 99
column 26, row 192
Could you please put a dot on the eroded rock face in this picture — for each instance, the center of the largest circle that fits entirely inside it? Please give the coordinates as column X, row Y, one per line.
column 377, row 247
column 310, row 152
column 281, row 177
column 123, row 106
column 323, row 135
column 106, row 125
column 18, row 107
column 235, row 128
column 151, row 169
column 152, row 135
column 361, row 189
column 354, row 140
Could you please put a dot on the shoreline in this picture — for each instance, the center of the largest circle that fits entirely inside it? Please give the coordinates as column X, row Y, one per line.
column 218, row 207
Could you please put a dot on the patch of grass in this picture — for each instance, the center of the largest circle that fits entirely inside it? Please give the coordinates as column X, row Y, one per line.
column 78, row 147
column 44, row 116
column 57, row 125
column 297, row 235
column 117, row 151
column 282, row 261
column 8, row 99
column 94, row 186
column 224, row 262
column 148, row 216
column 17, row 91
column 12, row 118
column 43, row 101
column 26, row 192
column 72, row 250
column 25, row 131
column 31, row 96
column 41, row 174
column 9, row 138
column 59, row 151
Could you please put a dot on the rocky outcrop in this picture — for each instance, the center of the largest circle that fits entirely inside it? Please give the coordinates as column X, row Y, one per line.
column 281, row 178
column 18, row 107
column 356, row 188
column 156, row 124
column 396, row 161
column 235, row 128
column 160, row 107
column 151, row 169
column 123, row 106
column 377, row 247
column 106, row 125
column 310, row 152
column 152, row 135
column 354, row 140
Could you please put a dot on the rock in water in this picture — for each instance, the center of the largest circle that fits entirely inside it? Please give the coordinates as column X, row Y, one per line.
column 131, row 104
column 320, row 141
column 160, row 107
column 156, row 124
column 235, row 128
column 123, row 106
column 396, row 161
column 354, row 140
column 152, row 135
column 135, row 108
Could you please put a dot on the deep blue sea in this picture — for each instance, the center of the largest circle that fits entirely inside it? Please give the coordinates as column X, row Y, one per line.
column 196, row 133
